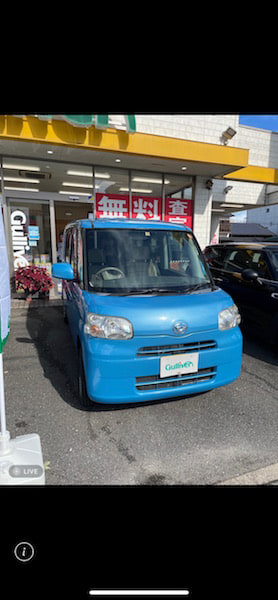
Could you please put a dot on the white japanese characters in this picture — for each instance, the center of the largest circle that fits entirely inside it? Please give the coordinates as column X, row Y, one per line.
column 119, row 206
column 145, row 208
column 108, row 206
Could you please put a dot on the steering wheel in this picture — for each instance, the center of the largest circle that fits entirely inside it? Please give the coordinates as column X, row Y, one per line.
column 104, row 269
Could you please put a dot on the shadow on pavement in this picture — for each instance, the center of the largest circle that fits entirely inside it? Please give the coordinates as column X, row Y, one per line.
column 56, row 351
column 259, row 348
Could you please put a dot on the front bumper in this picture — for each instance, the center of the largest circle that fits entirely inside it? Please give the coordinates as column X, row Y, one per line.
column 129, row 371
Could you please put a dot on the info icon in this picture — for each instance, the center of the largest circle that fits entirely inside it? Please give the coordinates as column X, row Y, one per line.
column 24, row 552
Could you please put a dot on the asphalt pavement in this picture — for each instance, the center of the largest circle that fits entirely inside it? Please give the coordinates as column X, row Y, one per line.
column 225, row 436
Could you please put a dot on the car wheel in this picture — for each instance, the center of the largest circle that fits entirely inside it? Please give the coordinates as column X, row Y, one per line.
column 83, row 397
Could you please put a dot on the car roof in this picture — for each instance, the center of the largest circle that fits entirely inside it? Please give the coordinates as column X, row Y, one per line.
column 250, row 245
column 126, row 224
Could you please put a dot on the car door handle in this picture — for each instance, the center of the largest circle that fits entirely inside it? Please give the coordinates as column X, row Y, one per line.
column 274, row 295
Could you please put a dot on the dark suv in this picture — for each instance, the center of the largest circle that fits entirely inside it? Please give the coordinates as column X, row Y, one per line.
column 249, row 273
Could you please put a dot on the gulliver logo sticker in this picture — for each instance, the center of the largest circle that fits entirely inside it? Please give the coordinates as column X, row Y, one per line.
column 180, row 364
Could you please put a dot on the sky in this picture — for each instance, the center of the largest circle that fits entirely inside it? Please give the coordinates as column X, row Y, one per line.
column 269, row 121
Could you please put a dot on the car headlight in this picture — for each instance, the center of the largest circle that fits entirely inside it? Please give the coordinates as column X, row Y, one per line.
column 112, row 328
column 229, row 317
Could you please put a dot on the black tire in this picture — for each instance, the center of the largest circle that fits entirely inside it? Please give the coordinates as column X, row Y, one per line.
column 82, row 393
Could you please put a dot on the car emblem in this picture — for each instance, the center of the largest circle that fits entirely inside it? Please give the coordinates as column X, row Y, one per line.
column 179, row 328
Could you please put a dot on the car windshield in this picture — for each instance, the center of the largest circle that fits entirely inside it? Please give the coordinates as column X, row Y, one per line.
column 131, row 261
column 273, row 256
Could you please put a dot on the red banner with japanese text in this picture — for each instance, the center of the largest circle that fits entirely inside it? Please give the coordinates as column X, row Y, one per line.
column 178, row 210
column 112, row 205
column 117, row 205
column 144, row 208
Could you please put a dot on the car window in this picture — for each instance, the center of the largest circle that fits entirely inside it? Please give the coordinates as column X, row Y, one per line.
column 68, row 245
column 239, row 259
column 273, row 256
column 259, row 265
column 214, row 256
column 80, row 255
column 127, row 260
column 73, row 252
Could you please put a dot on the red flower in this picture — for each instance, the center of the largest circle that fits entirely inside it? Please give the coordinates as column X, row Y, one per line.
column 34, row 279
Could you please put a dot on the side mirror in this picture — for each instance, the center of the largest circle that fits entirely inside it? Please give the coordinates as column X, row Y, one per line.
column 249, row 275
column 62, row 270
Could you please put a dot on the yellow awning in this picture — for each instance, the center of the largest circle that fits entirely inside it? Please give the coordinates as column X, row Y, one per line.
column 220, row 159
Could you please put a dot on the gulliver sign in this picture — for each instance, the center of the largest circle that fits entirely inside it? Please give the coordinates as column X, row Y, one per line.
column 20, row 241
column 101, row 121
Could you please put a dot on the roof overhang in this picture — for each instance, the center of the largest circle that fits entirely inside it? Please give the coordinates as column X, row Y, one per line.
column 255, row 174
column 27, row 136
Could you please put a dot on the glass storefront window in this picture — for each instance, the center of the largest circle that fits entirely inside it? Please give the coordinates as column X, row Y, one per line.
column 22, row 175
column 145, row 183
column 66, row 212
column 178, row 200
column 146, row 190
column 111, row 192
column 111, row 180
column 39, row 188
column 30, row 233
column 178, row 186
column 72, row 181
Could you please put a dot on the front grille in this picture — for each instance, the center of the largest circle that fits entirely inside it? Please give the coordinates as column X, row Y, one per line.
column 176, row 348
column 155, row 382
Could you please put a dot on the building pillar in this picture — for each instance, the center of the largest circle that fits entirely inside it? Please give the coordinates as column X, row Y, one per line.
column 202, row 211
column 53, row 231
column 214, row 227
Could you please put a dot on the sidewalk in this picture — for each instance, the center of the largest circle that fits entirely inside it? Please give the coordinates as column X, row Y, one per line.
column 40, row 371
column 35, row 303
column 54, row 300
column 263, row 476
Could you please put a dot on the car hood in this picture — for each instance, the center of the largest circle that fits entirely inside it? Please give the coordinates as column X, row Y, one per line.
column 156, row 315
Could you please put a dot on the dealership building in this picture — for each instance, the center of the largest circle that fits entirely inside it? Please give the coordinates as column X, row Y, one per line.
column 182, row 168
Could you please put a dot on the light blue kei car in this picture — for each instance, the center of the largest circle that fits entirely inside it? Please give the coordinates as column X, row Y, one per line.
column 146, row 318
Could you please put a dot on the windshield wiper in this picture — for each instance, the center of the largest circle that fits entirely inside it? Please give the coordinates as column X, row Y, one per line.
column 147, row 291
column 173, row 291
column 156, row 291
column 198, row 286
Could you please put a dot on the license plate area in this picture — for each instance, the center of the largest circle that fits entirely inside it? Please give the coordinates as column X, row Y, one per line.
column 179, row 364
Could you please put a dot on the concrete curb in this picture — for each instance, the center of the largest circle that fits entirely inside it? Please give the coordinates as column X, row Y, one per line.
column 263, row 476
column 35, row 303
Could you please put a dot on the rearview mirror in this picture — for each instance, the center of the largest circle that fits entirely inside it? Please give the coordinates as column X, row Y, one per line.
column 62, row 270
column 249, row 275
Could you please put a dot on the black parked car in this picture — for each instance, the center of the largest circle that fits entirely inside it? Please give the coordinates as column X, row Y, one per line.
column 249, row 273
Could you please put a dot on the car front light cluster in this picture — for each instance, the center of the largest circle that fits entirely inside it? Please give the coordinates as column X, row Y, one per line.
column 112, row 328
column 229, row 318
